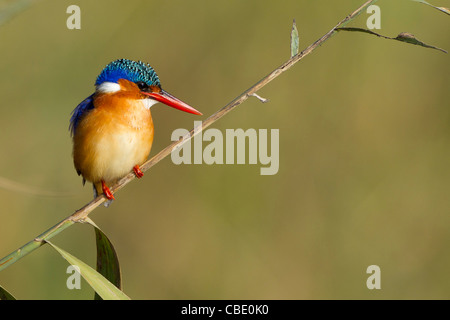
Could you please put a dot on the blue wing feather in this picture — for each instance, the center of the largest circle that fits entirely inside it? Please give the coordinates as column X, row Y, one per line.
column 86, row 105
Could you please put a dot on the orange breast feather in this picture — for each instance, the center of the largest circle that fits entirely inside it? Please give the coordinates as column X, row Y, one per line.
column 113, row 137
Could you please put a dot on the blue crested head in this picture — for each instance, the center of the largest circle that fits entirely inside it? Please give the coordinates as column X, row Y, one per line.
column 129, row 70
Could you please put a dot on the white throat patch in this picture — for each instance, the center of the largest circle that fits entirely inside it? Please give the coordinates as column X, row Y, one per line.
column 149, row 102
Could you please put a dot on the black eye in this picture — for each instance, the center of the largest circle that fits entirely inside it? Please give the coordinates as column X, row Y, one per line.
column 142, row 85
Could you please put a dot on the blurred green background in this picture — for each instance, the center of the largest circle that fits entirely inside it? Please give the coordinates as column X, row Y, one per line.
column 364, row 151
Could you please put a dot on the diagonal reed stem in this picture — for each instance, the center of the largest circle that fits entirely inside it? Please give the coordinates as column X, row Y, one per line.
column 83, row 213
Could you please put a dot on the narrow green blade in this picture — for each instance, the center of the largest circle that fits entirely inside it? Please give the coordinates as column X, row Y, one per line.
column 5, row 295
column 107, row 260
column 403, row 37
column 410, row 38
column 442, row 9
column 294, row 39
column 16, row 7
column 100, row 284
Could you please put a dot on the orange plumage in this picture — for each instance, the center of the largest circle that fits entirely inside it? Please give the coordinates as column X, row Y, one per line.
column 115, row 136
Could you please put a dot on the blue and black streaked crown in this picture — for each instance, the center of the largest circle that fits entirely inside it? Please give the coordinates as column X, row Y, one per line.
column 129, row 70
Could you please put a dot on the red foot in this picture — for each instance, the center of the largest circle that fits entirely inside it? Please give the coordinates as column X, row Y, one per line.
column 137, row 171
column 108, row 194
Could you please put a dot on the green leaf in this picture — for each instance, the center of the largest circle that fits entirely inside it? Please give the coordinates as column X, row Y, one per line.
column 5, row 295
column 100, row 284
column 13, row 9
column 442, row 9
column 107, row 260
column 409, row 38
column 403, row 37
column 294, row 39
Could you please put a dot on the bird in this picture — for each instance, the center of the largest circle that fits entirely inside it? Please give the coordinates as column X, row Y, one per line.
column 112, row 129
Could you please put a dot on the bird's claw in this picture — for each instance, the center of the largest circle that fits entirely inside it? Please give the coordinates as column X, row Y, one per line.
column 137, row 171
column 108, row 194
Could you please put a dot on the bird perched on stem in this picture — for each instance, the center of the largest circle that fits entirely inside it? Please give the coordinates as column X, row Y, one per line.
column 112, row 129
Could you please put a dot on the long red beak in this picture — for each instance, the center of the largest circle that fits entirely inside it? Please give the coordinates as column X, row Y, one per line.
column 171, row 101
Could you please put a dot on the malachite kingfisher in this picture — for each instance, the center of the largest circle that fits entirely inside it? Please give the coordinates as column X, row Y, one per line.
column 112, row 129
